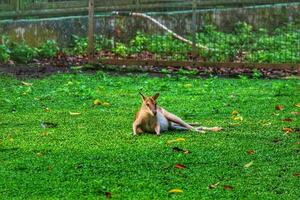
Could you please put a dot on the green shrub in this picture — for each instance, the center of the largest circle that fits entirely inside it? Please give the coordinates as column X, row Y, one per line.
column 120, row 50
column 102, row 42
column 80, row 45
column 23, row 53
column 48, row 49
column 4, row 53
column 4, row 49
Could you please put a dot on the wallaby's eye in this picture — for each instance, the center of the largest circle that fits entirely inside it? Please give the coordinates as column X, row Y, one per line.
column 147, row 104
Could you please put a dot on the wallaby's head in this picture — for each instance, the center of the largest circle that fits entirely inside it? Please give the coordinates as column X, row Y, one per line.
column 150, row 103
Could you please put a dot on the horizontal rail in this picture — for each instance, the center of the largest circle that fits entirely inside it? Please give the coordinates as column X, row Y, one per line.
column 79, row 8
column 167, row 63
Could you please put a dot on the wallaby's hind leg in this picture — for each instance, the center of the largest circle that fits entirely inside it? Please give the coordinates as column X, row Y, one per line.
column 173, row 118
column 177, row 127
column 214, row 129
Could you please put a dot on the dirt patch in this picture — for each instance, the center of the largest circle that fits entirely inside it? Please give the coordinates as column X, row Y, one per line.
column 67, row 64
column 34, row 71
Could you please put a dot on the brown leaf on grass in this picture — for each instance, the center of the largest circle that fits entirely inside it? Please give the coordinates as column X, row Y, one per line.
column 180, row 166
column 279, row 107
column 296, row 174
column 46, row 109
column 287, row 130
column 213, row 186
column 287, row 120
column 295, row 113
column 250, row 152
column 175, row 190
column 248, row 164
column 228, row 187
column 108, row 195
column 298, row 105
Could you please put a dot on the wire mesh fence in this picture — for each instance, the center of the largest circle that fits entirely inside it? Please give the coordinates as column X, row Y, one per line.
column 205, row 31
column 161, row 31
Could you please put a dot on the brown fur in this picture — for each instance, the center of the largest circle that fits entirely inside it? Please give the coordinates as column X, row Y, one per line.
column 151, row 118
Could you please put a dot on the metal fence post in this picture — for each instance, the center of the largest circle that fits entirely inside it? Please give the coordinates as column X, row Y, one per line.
column 91, row 49
column 194, row 21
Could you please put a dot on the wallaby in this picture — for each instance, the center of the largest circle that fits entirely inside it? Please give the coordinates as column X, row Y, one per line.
column 154, row 119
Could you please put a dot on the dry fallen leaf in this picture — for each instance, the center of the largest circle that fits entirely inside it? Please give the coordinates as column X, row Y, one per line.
column 97, row 102
column 188, row 85
column 279, row 107
column 180, row 166
column 186, row 151
column 228, row 187
column 175, row 190
column 180, row 140
column 108, row 195
column 296, row 174
column 213, row 186
column 287, row 120
column 250, row 151
column 298, row 105
column 237, row 118
column 74, row 113
column 275, row 114
column 26, row 84
column 235, row 112
column 295, row 113
column 39, row 154
column 287, row 130
column 44, row 134
column 248, row 164
column 105, row 104
column 267, row 124
column 176, row 140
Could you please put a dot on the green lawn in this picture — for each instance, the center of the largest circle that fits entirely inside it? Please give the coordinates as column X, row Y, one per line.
column 87, row 155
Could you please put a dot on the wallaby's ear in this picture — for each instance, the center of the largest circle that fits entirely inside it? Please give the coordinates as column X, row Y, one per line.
column 155, row 96
column 143, row 97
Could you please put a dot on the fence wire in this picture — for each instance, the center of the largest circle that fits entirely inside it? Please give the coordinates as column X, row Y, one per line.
column 225, row 32
column 222, row 31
